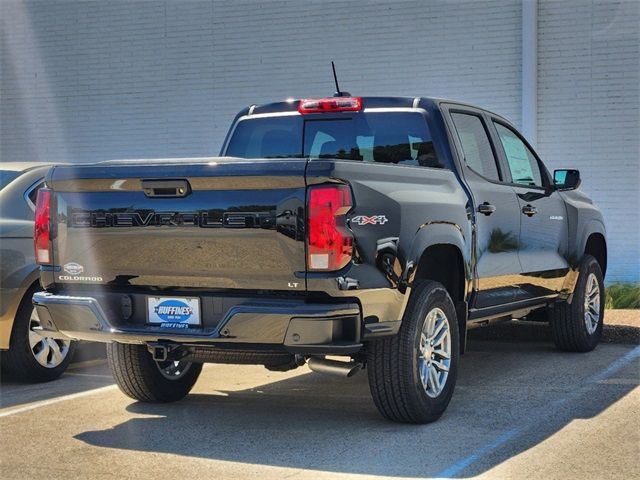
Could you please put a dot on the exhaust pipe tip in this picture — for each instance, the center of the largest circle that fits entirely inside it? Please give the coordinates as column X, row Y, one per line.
column 334, row 367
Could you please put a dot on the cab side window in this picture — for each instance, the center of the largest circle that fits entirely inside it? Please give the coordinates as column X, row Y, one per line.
column 523, row 165
column 478, row 154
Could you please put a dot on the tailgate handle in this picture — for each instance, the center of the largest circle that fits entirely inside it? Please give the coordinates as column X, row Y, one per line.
column 166, row 188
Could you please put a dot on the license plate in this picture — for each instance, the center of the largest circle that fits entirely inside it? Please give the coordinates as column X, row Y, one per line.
column 173, row 312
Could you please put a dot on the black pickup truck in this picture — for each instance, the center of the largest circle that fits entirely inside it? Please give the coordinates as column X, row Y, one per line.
column 374, row 229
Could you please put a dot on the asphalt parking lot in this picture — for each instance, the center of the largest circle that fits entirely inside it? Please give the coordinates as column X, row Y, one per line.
column 521, row 410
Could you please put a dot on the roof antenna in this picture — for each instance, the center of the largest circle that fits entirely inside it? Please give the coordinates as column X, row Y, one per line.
column 335, row 79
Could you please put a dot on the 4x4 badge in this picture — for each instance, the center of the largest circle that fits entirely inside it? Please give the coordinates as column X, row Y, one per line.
column 372, row 220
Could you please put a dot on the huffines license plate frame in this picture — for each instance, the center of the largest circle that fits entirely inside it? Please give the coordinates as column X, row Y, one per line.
column 174, row 312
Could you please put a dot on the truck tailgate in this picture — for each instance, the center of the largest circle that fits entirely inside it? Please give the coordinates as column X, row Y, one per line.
column 216, row 224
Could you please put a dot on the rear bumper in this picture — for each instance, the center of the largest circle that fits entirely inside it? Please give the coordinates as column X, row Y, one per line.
column 296, row 326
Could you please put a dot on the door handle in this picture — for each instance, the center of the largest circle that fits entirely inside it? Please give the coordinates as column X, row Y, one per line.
column 529, row 210
column 486, row 208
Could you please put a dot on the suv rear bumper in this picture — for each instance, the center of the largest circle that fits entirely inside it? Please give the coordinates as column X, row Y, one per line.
column 297, row 326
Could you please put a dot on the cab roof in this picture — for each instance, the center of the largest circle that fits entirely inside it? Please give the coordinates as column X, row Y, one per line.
column 369, row 102
column 291, row 104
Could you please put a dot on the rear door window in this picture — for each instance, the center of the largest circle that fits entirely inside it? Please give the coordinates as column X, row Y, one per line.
column 478, row 154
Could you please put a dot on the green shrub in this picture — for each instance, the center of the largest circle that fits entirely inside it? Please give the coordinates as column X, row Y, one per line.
column 622, row 295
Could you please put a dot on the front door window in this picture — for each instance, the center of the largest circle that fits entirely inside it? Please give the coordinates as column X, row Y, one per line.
column 523, row 165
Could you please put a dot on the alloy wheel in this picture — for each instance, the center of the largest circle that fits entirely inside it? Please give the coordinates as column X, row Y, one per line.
column 48, row 352
column 592, row 304
column 434, row 355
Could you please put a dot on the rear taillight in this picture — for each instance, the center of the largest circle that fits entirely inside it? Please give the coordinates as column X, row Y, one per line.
column 330, row 244
column 328, row 105
column 41, row 233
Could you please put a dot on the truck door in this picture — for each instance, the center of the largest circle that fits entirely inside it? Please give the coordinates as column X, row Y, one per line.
column 497, row 211
column 543, row 217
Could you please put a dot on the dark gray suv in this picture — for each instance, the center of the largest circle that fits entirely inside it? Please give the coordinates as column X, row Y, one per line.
column 26, row 355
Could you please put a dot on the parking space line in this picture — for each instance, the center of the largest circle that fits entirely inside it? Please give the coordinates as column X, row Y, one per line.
column 616, row 365
column 514, row 432
column 52, row 401
column 465, row 462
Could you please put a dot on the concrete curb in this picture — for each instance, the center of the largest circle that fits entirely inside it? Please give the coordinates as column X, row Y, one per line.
column 621, row 334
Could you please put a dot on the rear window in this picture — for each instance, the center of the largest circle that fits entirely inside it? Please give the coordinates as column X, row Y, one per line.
column 401, row 138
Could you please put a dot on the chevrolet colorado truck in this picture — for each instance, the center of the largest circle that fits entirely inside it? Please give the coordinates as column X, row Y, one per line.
column 376, row 230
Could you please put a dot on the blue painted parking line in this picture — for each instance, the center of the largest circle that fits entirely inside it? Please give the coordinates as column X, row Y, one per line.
column 514, row 432
column 474, row 457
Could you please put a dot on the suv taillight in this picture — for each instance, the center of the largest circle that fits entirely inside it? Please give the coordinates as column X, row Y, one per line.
column 41, row 237
column 330, row 244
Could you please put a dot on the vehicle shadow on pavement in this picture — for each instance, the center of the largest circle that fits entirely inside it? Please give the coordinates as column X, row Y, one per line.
column 510, row 397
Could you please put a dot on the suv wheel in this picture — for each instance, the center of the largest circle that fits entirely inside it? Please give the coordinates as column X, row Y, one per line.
column 412, row 375
column 577, row 326
column 142, row 378
column 32, row 357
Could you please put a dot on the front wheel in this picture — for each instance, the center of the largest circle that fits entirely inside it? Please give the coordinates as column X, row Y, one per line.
column 142, row 378
column 577, row 326
column 412, row 375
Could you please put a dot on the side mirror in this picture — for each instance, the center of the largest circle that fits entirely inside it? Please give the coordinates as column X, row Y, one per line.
column 566, row 179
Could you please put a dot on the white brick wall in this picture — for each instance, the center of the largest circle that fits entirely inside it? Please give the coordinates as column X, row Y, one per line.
column 84, row 81
column 589, row 111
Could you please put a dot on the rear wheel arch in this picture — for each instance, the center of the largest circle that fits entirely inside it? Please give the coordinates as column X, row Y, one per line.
column 444, row 263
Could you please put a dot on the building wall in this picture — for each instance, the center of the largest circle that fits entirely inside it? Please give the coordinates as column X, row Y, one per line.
column 589, row 111
column 87, row 81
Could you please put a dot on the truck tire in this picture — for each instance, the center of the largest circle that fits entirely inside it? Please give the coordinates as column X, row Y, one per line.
column 32, row 358
column 577, row 326
column 142, row 378
column 412, row 375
